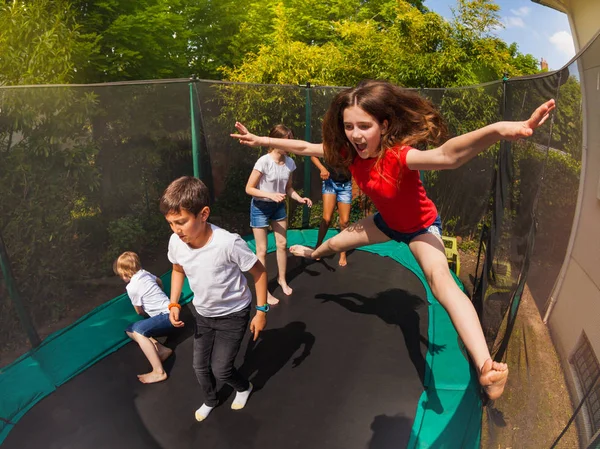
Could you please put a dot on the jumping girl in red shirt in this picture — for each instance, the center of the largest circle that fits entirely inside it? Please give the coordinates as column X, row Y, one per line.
column 371, row 130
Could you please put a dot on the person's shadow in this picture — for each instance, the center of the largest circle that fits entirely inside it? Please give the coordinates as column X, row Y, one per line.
column 390, row 432
column 397, row 307
column 273, row 350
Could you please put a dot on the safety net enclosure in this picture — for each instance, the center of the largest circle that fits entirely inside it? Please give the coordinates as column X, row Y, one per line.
column 82, row 167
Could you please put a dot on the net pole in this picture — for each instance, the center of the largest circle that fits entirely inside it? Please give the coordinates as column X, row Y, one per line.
column 195, row 155
column 307, row 162
column 13, row 292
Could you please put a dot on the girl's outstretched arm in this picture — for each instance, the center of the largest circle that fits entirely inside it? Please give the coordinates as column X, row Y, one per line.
column 458, row 150
column 300, row 147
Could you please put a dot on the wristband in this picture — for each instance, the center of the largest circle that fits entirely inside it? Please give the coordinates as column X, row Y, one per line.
column 174, row 304
column 265, row 308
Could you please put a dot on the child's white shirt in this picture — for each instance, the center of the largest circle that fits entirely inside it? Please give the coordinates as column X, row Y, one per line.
column 144, row 291
column 214, row 271
column 274, row 176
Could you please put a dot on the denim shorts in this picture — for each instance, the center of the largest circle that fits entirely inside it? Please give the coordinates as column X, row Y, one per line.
column 341, row 190
column 261, row 212
column 155, row 326
column 435, row 229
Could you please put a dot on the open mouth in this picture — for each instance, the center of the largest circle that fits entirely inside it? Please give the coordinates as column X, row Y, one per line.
column 360, row 147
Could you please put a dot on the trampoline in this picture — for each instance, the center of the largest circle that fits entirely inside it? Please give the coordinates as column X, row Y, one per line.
column 343, row 363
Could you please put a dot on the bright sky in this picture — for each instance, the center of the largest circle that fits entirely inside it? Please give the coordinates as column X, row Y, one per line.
column 537, row 30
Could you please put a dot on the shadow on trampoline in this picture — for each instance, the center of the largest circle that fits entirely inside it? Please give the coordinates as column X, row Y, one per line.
column 271, row 352
column 388, row 431
column 397, row 307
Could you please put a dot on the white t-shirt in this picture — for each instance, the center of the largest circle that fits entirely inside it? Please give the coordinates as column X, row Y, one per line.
column 274, row 176
column 215, row 271
column 144, row 291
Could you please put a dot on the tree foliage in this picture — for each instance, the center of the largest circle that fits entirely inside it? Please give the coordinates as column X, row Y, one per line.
column 40, row 42
column 391, row 39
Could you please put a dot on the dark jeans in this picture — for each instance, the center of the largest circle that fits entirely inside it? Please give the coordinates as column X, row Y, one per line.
column 216, row 344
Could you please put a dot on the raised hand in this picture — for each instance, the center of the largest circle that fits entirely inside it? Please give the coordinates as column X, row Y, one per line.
column 520, row 130
column 247, row 138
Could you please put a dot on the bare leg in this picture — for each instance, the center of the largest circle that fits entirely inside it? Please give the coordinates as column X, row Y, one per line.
column 328, row 207
column 260, row 238
column 361, row 233
column 163, row 352
column 428, row 249
column 280, row 230
column 344, row 213
column 147, row 346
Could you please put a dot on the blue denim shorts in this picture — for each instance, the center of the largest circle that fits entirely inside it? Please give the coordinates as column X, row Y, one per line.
column 261, row 212
column 435, row 229
column 155, row 326
column 341, row 190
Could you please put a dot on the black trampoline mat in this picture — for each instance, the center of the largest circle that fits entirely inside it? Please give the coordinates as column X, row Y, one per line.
column 358, row 387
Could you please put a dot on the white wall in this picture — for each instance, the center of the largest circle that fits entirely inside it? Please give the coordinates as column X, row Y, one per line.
column 577, row 296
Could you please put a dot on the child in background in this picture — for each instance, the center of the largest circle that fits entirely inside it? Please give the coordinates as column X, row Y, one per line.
column 268, row 184
column 213, row 261
column 145, row 292
column 337, row 188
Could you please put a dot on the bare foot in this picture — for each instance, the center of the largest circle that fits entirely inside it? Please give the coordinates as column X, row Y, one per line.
column 271, row 299
column 343, row 262
column 164, row 353
column 301, row 251
column 286, row 288
column 493, row 378
column 152, row 377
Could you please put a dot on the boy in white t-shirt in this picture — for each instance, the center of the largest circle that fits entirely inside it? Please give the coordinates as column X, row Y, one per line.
column 213, row 260
column 146, row 294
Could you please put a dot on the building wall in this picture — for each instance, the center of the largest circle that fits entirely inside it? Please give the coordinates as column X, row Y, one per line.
column 577, row 296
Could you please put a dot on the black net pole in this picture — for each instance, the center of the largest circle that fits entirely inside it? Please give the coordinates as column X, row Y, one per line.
column 13, row 292
column 502, row 175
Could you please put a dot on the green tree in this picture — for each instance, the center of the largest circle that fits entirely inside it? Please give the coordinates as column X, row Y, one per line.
column 146, row 39
column 388, row 39
column 40, row 42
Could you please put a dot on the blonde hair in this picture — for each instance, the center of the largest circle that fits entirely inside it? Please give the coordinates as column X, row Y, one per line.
column 127, row 264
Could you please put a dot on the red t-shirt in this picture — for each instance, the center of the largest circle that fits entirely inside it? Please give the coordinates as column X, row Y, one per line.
column 403, row 204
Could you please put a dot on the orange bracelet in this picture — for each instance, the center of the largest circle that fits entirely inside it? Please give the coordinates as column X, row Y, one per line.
column 174, row 304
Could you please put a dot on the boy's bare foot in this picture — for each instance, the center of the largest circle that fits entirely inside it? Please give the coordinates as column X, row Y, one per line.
column 271, row 299
column 493, row 378
column 301, row 251
column 286, row 288
column 343, row 262
column 164, row 353
column 152, row 377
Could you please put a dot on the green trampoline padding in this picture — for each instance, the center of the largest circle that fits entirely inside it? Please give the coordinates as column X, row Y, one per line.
column 451, row 384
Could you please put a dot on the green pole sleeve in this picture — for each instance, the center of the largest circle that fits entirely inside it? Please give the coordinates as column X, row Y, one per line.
column 307, row 162
column 195, row 155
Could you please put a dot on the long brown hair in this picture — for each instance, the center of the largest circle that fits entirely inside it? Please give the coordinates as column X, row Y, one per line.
column 412, row 120
column 281, row 132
